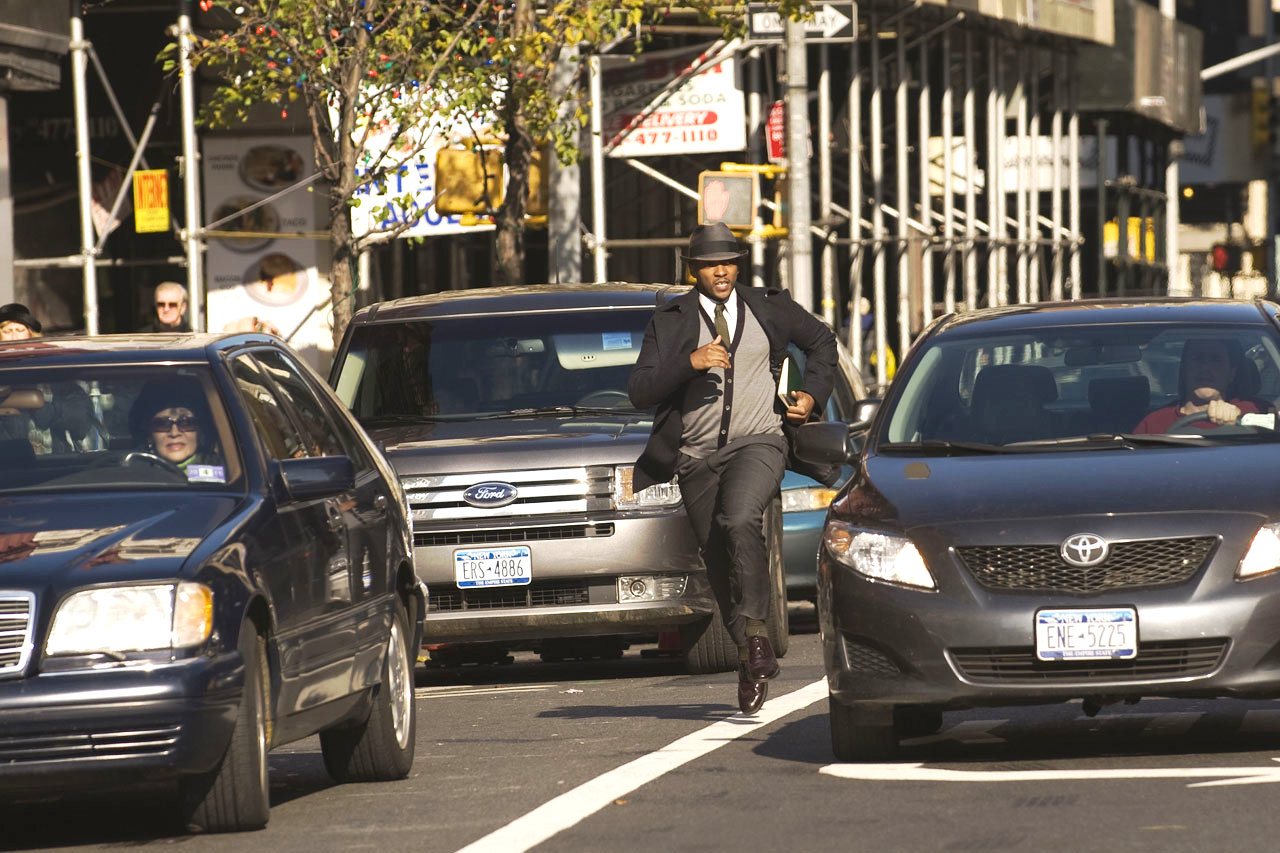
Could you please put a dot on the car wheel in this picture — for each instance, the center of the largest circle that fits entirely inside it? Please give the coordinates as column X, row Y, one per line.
column 235, row 795
column 380, row 748
column 778, row 623
column 917, row 720
column 708, row 646
column 855, row 738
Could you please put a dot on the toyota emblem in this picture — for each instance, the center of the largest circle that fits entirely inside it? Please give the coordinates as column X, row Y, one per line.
column 1084, row 550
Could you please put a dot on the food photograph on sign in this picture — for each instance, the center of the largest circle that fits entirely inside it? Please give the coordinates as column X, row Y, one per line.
column 272, row 167
column 257, row 223
column 276, row 279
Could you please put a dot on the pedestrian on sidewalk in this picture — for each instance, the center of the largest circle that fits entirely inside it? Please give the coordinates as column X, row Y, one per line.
column 170, row 309
column 710, row 363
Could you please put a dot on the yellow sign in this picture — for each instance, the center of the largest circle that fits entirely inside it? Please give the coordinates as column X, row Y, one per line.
column 150, row 200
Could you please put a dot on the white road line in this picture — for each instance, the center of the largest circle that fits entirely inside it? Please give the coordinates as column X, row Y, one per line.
column 588, row 798
column 450, row 692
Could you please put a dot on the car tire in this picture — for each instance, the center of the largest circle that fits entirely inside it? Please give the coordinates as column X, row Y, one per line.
column 236, row 796
column 778, row 622
column 708, row 646
column 380, row 748
column 855, row 738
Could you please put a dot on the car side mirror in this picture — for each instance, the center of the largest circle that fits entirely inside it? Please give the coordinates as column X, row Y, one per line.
column 823, row 442
column 315, row 477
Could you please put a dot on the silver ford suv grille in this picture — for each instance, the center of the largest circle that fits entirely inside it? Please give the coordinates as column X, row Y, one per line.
column 17, row 622
column 546, row 491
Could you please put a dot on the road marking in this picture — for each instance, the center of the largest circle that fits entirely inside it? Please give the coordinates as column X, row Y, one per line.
column 470, row 690
column 575, row 805
column 920, row 773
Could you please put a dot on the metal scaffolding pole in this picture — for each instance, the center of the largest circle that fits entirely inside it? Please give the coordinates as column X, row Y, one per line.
column 754, row 112
column 1020, row 175
column 903, row 188
column 857, row 252
column 877, row 181
column 598, row 250
column 994, row 230
column 191, row 168
column 828, row 257
column 926, row 205
column 1000, row 227
column 1055, row 131
column 1073, row 175
column 970, row 175
column 1033, row 177
column 798, row 189
column 84, row 178
column 948, row 176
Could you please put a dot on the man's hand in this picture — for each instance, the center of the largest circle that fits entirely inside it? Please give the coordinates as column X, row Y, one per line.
column 1218, row 411
column 709, row 356
column 801, row 407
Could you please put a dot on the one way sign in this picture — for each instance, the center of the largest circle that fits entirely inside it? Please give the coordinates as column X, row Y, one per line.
column 831, row 22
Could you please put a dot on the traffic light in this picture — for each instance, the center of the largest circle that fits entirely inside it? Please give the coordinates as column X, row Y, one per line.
column 466, row 183
column 728, row 197
column 1260, row 116
column 1225, row 258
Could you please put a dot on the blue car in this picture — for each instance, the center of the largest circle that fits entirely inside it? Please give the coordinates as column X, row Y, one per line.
column 202, row 556
column 805, row 500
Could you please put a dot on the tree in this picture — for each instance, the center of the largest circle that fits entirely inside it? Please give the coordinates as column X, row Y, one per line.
column 405, row 71
column 360, row 69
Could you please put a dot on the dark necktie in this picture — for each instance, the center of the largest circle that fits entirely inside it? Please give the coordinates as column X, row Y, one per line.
column 722, row 325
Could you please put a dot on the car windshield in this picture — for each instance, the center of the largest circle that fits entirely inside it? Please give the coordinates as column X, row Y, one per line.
column 461, row 367
column 95, row 428
column 1091, row 387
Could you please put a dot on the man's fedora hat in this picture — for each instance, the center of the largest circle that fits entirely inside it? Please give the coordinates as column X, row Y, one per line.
column 713, row 241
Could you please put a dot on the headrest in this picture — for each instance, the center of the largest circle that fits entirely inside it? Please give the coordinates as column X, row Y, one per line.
column 1002, row 381
column 1119, row 392
column 1248, row 381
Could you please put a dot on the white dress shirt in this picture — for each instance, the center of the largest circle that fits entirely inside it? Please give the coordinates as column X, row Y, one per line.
column 730, row 311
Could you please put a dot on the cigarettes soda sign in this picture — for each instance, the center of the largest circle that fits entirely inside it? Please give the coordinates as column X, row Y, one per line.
column 646, row 115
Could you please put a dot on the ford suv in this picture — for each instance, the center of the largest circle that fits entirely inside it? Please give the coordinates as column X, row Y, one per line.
column 506, row 415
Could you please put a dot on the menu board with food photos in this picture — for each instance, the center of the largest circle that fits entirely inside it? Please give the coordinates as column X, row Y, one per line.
column 264, row 268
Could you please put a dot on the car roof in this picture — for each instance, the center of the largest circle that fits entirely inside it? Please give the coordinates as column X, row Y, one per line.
column 189, row 347
column 514, row 300
column 1100, row 311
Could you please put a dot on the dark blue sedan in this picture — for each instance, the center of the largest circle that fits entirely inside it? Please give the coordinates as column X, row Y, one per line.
column 201, row 557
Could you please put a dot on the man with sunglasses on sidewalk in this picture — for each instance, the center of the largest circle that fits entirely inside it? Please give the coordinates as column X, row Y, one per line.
column 170, row 314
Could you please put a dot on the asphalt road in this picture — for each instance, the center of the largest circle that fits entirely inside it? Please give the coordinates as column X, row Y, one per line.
column 633, row 755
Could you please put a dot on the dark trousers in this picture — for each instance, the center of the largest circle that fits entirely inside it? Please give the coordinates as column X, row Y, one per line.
column 725, row 496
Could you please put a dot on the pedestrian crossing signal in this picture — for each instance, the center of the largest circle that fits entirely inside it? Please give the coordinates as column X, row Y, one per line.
column 728, row 197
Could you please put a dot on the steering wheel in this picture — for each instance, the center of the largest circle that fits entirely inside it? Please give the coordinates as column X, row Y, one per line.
column 1218, row 429
column 608, row 399
column 154, row 461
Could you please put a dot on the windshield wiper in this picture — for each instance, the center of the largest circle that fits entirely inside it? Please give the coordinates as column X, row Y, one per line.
column 565, row 411
column 1107, row 441
column 388, row 419
column 939, row 447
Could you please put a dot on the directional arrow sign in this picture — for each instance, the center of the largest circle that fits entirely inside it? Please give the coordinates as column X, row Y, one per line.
column 1219, row 776
column 830, row 23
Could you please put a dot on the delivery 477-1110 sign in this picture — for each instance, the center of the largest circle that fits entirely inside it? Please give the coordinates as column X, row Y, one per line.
column 831, row 22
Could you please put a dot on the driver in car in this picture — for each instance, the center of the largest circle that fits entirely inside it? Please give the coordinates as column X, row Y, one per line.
column 1208, row 379
column 177, row 425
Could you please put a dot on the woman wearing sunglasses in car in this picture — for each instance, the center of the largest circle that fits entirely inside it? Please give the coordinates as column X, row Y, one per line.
column 172, row 421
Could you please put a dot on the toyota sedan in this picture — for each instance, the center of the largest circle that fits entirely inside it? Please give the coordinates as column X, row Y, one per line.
column 201, row 557
column 1056, row 502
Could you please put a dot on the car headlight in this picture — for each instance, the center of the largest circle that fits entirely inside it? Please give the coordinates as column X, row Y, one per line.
column 877, row 555
column 136, row 618
column 625, row 497
column 807, row 499
column 1263, row 555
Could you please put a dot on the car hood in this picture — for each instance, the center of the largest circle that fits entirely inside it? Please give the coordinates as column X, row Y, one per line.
column 76, row 540
column 533, row 442
column 913, row 491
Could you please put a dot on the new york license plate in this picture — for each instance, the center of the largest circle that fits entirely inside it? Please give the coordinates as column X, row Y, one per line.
column 1109, row 633
column 474, row 567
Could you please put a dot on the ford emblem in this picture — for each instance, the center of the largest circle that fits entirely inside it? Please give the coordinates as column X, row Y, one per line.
column 1084, row 550
column 490, row 495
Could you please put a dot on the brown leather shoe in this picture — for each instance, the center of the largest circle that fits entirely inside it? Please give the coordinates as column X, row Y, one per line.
column 751, row 694
column 761, row 664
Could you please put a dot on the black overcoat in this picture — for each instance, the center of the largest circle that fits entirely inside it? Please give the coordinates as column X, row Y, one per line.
column 663, row 369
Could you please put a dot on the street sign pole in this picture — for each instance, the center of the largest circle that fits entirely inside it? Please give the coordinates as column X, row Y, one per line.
column 797, row 110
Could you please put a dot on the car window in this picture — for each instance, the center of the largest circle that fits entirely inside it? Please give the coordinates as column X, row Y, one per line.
column 83, row 427
column 299, row 398
column 463, row 366
column 1068, row 382
column 279, row 438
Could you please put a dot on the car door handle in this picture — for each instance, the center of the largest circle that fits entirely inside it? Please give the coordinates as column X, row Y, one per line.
column 380, row 503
